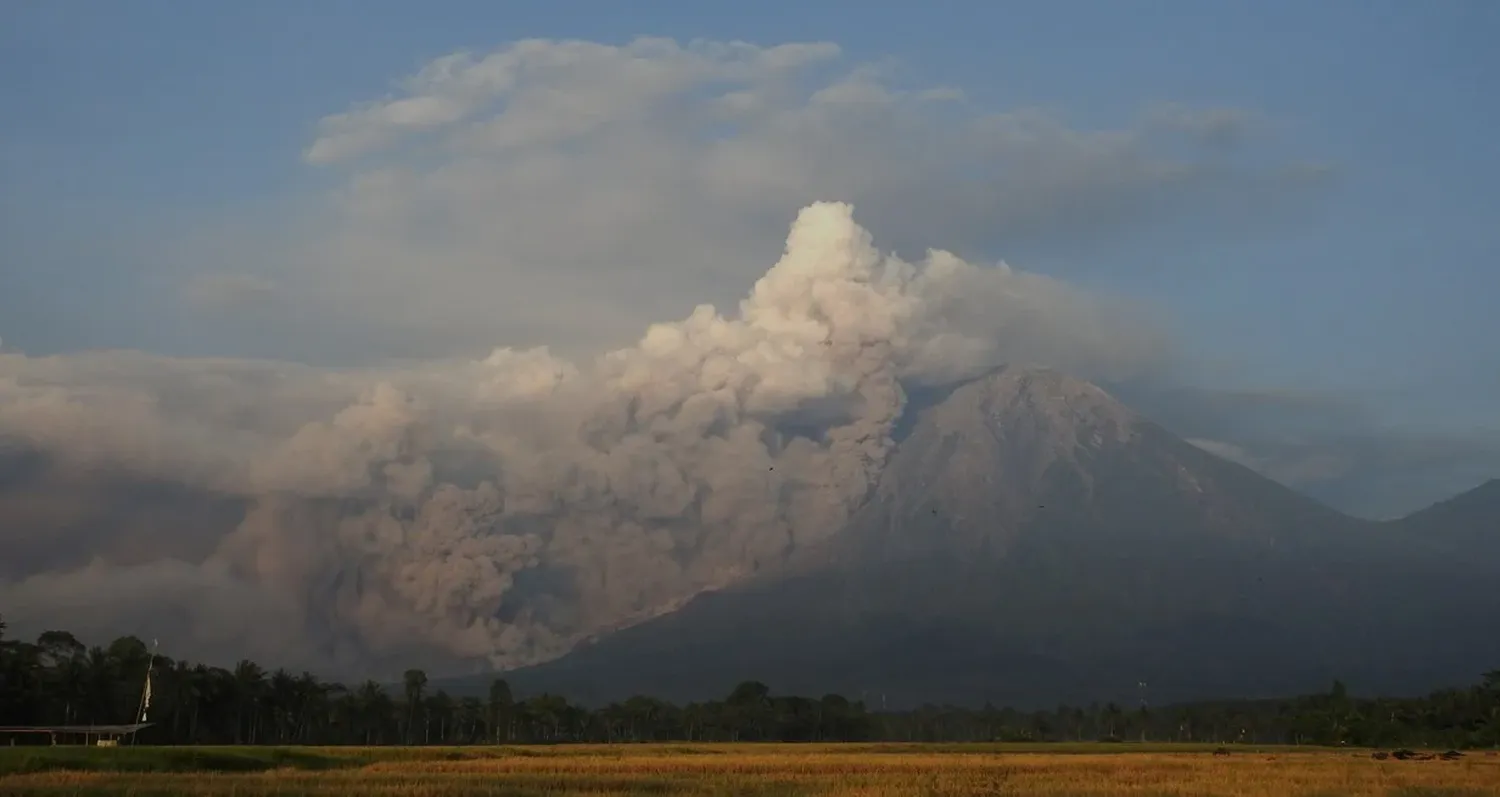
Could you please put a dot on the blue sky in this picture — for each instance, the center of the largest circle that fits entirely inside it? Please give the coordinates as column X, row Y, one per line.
column 138, row 133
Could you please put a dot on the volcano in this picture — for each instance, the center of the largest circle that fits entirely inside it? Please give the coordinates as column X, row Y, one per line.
column 1033, row 541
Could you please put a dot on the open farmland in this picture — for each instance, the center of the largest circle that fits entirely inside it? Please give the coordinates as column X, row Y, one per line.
column 771, row 769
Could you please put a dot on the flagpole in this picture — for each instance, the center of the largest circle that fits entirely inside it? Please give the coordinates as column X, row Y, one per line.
column 140, row 715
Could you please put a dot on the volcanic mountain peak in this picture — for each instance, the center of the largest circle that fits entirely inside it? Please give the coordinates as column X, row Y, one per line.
column 1031, row 540
column 1039, row 401
column 989, row 448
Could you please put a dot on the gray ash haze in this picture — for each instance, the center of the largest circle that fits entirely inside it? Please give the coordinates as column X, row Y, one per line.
column 543, row 341
column 501, row 509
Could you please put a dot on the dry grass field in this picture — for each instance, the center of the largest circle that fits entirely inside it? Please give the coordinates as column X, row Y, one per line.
column 844, row 770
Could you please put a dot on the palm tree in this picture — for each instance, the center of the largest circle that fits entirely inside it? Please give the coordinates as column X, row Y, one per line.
column 281, row 703
column 250, row 685
column 1113, row 714
column 312, row 707
column 22, row 681
column 64, row 656
column 415, row 682
column 502, row 710
column 374, row 710
column 438, row 707
column 470, row 717
column 99, row 686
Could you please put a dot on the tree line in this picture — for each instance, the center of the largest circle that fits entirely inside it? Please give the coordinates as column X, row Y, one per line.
column 58, row 680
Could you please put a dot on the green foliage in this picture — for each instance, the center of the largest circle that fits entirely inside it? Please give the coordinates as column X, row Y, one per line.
column 59, row 681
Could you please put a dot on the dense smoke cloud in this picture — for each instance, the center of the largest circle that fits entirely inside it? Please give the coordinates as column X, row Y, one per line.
column 500, row 510
column 568, row 193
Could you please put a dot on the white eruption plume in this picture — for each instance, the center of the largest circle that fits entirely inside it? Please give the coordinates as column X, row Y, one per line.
column 504, row 509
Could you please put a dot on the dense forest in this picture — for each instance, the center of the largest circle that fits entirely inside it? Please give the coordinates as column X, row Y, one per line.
column 57, row 680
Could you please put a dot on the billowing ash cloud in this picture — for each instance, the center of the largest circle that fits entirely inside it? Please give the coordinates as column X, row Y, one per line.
column 498, row 510
column 627, row 182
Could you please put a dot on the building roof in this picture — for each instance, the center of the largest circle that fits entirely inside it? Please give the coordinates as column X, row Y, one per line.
column 99, row 729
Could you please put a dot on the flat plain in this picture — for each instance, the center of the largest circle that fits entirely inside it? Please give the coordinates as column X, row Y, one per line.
column 844, row 770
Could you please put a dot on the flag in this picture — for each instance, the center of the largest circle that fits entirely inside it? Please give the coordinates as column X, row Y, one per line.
column 146, row 694
column 146, row 697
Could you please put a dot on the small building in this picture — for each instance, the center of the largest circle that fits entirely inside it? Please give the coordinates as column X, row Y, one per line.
column 96, row 735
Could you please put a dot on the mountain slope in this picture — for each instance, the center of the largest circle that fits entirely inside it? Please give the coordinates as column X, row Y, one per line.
column 1469, row 523
column 1033, row 541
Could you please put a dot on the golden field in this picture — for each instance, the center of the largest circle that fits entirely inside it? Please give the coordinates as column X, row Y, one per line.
column 772, row 769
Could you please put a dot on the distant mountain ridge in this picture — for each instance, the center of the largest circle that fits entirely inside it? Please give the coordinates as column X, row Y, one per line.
column 1469, row 521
